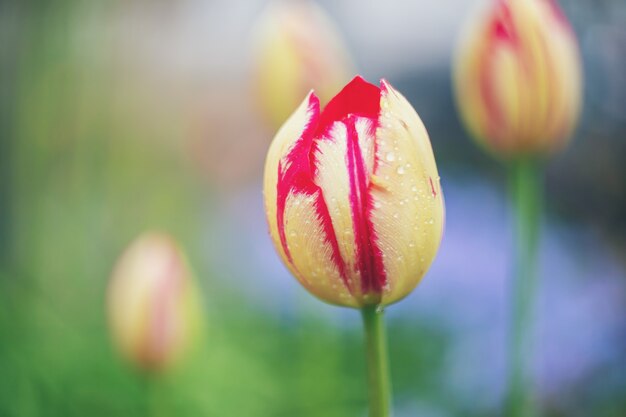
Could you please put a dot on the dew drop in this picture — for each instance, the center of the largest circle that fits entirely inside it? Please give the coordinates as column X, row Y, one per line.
column 376, row 204
column 396, row 215
column 390, row 157
column 400, row 170
column 411, row 244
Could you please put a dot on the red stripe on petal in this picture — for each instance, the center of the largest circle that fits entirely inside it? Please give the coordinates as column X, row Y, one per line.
column 294, row 172
column 432, row 187
column 369, row 255
column 501, row 33
column 295, row 176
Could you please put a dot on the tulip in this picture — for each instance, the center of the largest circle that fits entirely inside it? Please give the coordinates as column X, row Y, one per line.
column 352, row 196
column 354, row 207
column 518, row 83
column 297, row 48
column 152, row 303
column 518, row 78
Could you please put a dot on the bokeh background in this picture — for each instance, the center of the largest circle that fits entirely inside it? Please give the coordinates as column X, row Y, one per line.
column 122, row 116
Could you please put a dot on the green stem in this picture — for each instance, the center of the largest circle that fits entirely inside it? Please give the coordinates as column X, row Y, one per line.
column 150, row 393
column 377, row 361
column 526, row 187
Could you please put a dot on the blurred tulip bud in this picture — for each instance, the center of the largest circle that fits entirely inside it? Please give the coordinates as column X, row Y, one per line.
column 297, row 49
column 153, row 304
column 352, row 196
column 518, row 78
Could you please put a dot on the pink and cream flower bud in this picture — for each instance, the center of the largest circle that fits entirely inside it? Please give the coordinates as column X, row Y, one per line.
column 352, row 196
column 518, row 78
column 153, row 305
column 297, row 48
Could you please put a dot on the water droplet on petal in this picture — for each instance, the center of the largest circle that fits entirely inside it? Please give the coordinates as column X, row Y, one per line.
column 400, row 170
column 390, row 157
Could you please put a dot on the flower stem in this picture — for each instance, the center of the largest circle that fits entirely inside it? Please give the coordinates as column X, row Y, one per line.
column 150, row 393
column 377, row 361
column 526, row 189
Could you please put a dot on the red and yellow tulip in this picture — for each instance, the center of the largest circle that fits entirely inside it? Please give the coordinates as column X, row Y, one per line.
column 152, row 303
column 518, row 78
column 352, row 196
column 297, row 48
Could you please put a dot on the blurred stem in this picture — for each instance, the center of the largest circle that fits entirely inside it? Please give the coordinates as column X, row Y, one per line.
column 526, row 192
column 151, row 393
column 377, row 361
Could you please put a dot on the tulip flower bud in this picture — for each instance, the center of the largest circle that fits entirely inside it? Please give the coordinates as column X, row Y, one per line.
column 352, row 196
column 518, row 78
column 297, row 49
column 152, row 302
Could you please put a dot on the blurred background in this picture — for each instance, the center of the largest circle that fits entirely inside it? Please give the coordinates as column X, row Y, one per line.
column 122, row 116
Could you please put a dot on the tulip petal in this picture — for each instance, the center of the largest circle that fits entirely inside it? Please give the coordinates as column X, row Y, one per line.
column 344, row 164
column 313, row 255
column 408, row 211
column 298, row 216
column 284, row 141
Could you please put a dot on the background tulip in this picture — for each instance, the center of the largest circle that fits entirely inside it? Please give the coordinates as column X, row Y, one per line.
column 152, row 303
column 518, row 83
column 518, row 77
column 352, row 195
column 297, row 49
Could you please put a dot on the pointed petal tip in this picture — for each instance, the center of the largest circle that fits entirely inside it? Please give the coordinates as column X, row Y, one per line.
column 385, row 86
